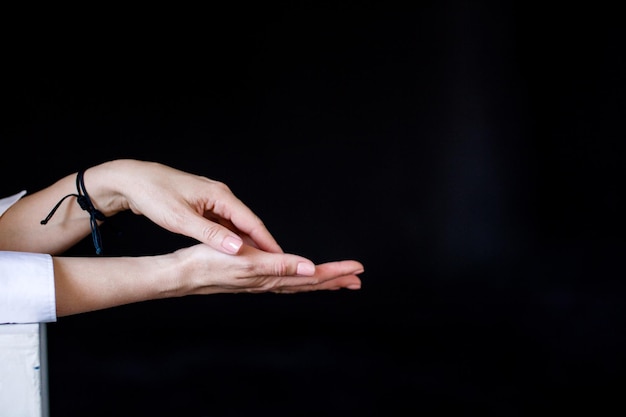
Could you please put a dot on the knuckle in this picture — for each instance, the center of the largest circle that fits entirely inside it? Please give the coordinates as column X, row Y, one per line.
column 221, row 186
column 281, row 269
column 210, row 232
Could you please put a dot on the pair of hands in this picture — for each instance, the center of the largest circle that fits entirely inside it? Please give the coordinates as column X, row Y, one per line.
column 209, row 212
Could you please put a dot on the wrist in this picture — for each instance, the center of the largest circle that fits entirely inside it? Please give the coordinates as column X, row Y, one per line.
column 105, row 188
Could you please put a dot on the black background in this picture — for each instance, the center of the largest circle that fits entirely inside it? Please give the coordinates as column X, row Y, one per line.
column 467, row 153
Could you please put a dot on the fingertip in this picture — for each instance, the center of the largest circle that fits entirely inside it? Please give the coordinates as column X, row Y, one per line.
column 232, row 244
column 305, row 268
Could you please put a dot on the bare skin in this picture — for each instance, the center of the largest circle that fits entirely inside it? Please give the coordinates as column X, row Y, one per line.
column 196, row 270
column 180, row 202
column 236, row 253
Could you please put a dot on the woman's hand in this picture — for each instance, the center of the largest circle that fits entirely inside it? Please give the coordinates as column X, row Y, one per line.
column 206, row 271
column 183, row 203
column 85, row 284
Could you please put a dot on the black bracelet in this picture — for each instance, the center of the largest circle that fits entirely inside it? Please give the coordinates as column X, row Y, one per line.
column 83, row 200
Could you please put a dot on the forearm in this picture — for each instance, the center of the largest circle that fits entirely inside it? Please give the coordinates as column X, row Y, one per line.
column 20, row 225
column 21, row 228
column 85, row 284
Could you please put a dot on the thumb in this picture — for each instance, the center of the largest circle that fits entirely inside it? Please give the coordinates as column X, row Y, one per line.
column 264, row 263
column 213, row 234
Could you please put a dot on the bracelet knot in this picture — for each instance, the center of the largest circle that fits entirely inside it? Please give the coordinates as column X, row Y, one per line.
column 83, row 200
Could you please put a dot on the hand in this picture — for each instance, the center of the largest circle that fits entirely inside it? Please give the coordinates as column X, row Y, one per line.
column 195, row 270
column 188, row 204
column 206, row 271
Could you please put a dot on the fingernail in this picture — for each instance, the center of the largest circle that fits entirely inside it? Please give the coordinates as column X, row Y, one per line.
column 354, row 286
column 232, row 244
column 358, row 271
column 304, row 268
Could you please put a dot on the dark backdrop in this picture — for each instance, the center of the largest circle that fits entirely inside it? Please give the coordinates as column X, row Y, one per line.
column 468, row 153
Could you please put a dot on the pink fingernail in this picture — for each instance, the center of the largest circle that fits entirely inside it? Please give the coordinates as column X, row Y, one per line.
column 232, row 244
column 354, row 286
column 304, row 268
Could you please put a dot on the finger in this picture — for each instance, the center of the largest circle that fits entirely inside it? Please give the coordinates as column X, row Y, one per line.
column 352, row 282
column 211, row 233
column 328, row 276
column 244, row 236
column 246, row 222
column 280, row 265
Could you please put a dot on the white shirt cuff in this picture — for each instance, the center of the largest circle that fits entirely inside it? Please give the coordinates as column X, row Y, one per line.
column 27, row 283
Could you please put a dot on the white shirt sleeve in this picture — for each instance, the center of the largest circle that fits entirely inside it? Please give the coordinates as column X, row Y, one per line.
column 26, row 282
